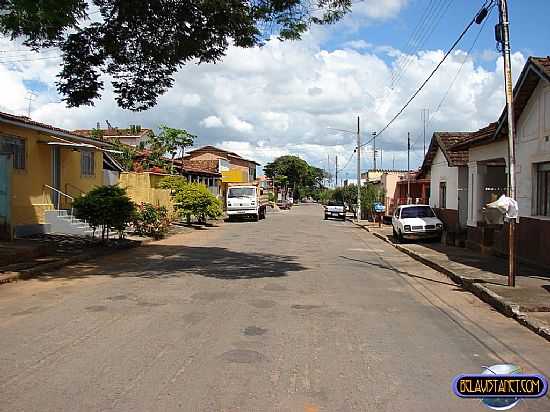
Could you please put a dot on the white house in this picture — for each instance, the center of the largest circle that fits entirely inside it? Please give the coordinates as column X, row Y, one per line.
column 448, row 174
column 488, row 167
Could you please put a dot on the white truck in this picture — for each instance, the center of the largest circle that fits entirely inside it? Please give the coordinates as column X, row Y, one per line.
column 245, row 200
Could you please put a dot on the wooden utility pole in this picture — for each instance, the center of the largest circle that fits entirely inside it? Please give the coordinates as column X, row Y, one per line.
column 358, row 170
column 336, row 171
column 408, row 168
column 503, row 37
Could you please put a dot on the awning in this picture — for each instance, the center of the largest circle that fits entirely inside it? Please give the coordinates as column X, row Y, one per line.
column 71, row 144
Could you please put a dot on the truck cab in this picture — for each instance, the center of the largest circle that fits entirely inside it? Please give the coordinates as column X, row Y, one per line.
column 246, row 201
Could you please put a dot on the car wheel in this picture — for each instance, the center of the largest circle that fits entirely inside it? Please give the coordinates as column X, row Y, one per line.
column 326, row 217
column 399, row 238
column 394, row 234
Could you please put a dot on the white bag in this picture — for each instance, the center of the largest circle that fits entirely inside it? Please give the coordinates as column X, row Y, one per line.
column 507, row 206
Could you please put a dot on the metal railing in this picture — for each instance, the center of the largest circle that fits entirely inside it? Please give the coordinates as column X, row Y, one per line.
column 59, row 192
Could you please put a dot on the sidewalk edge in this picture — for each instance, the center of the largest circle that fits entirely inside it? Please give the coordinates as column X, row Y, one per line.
column 504, row 306
column 36, row 270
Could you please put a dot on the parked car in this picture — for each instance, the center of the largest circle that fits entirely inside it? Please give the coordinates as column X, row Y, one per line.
column 335, row 209
column 416, row 222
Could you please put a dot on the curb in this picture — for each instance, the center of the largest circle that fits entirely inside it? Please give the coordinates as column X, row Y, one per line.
column 474, row 286
column 38, row 269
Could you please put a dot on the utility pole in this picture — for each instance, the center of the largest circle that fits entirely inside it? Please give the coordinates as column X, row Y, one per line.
column 503, row 37
column 381, row 167
column 31, row 96
column 328, row 170
column 374, row 150
column 408, row 167
column 425, row 116
column 336, row 171
column 358, row 170
column 393, row 162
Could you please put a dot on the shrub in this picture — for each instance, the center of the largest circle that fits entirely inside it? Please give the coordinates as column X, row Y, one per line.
column 152, row 221
column 193, row 199
column 105, row 207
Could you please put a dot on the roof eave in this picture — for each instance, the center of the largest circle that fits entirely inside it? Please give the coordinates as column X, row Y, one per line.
column 53, row 132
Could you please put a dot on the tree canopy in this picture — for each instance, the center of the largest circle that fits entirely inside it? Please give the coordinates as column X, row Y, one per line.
column 296, row 173
column 141, row 44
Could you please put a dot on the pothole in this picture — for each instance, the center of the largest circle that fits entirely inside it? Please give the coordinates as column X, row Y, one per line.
column 254, row 331
column 243, row 356
column 305, row 307
column 96, row 308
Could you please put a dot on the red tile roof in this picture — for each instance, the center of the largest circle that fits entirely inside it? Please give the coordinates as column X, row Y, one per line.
column 24, row 121
column 445, row 141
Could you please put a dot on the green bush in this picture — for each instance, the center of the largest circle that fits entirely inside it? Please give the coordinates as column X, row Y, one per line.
column 152, row 221
column 193, row 199
column 107, row 208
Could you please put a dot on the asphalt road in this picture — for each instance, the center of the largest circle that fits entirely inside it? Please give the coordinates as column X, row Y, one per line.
column 292, row 313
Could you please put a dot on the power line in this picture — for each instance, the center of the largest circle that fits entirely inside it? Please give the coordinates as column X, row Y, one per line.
column 57, row 56
column 457, row 41
column 430, row 28
column 461, row 66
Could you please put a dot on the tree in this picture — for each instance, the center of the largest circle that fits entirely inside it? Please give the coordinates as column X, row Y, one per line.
column 170, row 140
column 141, row 44
column 292, row 167
column 193, row 199
column 105, row 207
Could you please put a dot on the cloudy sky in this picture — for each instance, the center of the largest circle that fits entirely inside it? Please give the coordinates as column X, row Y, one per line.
column 282, row 98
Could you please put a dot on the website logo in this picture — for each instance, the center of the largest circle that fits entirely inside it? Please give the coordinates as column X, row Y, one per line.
column 500, row 387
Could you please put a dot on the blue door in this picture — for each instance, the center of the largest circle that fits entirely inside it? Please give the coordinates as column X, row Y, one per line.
column 5, row 198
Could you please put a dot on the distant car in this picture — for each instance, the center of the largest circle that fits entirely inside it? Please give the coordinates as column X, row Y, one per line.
column 335, row 209
column 416, row 222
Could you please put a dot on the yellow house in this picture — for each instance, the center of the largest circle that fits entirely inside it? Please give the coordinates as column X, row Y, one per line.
column 42, row 168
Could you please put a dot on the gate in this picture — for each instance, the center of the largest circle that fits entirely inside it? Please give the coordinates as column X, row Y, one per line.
column 5, row 198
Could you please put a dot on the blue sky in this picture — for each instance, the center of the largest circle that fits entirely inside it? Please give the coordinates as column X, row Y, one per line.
column 280, row 99
column 530, row 31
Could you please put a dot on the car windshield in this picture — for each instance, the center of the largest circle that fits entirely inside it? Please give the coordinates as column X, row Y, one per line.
column 335, row 203
column 417, row 211
column 241, row 192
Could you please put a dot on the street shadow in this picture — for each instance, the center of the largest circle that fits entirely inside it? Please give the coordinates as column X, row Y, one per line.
column 156, row 261
column 494, row 264
column 395, row 270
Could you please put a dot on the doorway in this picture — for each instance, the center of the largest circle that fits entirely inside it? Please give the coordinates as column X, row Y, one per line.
column 5, row 198
column 56, row 176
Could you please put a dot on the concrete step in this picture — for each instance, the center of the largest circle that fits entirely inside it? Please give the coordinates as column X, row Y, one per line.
column 63, row 223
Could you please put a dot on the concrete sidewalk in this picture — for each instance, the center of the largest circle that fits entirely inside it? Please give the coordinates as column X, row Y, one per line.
column 486, row 277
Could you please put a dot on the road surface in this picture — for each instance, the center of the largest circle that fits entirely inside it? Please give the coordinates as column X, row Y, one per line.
column 292, row 313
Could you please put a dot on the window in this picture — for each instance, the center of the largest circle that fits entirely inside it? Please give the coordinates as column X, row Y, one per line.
column 543, row 189
column 443, row 195
column 416, row 211
column 87, row 163
column 15, row 146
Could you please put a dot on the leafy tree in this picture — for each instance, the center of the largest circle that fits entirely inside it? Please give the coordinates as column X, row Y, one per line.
column 170, row 140
column 295, row 170
column 193, row 199
column 141, row 44
column 105, row 207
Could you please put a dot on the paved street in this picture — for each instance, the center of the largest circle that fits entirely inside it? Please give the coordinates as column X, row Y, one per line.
column 292, row 313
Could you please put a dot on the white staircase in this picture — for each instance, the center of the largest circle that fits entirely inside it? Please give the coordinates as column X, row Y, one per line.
column 62, row 222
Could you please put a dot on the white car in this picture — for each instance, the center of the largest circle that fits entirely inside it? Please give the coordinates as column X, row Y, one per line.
column 335, row 209
column 416, row 222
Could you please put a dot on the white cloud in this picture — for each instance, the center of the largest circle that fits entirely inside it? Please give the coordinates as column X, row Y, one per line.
column 211, row 121
column 281, row 98
column 379, row 9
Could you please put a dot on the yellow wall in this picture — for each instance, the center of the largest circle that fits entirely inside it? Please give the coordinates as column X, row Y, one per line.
column 237, row 175
column 145, row 187
column 29, row 198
